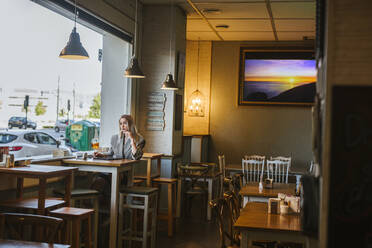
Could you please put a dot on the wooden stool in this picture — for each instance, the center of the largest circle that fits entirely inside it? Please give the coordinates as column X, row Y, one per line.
column 133, row 198
column 75, row 216
column 172, row 184
column 77, row 196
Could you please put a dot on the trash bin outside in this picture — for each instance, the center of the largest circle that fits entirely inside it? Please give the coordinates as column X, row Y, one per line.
column 80, row 134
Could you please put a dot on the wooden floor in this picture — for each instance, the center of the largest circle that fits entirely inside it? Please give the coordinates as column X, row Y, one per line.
column 190, row 232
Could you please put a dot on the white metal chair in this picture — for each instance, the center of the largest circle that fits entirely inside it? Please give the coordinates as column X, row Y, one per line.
column 278, row 170
column 283, row 159
column 254, row 157
column 252, row 170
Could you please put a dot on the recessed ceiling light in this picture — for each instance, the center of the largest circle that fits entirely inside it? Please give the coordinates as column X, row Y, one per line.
column 212, row 11
column 222, row 26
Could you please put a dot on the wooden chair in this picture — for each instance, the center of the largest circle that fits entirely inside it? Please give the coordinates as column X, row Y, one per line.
column 223, row 220
column 278, row 170
column 73, row 218
column 78, row 197
column 225, row 180
column 171, row 184
column 193, row 181
column 253, row 170
column 22, row 227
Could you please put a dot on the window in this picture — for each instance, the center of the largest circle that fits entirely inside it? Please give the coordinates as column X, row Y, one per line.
column 31, row 137
column 45, row 139
column 7, row 138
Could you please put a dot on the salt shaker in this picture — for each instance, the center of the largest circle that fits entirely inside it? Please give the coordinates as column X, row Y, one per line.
column 260, row 187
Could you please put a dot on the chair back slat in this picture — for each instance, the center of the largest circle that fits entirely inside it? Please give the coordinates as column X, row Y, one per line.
column 222, row 164
column 252, row 170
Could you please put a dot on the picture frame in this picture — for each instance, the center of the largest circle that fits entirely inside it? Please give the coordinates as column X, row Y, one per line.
column 277, row 77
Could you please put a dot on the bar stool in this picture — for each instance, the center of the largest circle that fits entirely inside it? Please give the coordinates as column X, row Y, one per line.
column 74, row 217
column 79, row 195
column 133, row 198
column 171, row 185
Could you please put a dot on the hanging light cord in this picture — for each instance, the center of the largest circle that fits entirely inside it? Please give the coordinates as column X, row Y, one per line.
column 170, row 40
column 135, row 31
column 75, row 14
column 197, row 68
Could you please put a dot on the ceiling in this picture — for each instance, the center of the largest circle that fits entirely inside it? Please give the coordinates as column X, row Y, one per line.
column 247, row 20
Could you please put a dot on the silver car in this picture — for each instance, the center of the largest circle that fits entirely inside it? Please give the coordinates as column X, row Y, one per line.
column 61, row 125
column 27, row 143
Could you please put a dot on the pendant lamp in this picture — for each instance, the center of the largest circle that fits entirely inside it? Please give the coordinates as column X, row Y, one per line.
column 74, row 49
column 169, row 83
column 133, row 70
column 196, row 101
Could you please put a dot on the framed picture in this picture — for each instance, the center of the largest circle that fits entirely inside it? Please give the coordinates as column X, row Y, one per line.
column 277, row 77
column 181, row 60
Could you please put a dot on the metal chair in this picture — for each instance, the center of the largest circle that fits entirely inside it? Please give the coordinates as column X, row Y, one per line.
column 253, row 170
column 193, row 181
column 278, row 170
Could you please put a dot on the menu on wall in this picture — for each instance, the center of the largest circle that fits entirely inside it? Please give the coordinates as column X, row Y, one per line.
column 350, row 201
column 155, row 111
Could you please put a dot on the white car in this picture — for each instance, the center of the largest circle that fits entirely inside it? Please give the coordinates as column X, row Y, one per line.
column 27, row 143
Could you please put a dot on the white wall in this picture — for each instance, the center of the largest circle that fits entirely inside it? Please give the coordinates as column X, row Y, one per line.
column 115, row 94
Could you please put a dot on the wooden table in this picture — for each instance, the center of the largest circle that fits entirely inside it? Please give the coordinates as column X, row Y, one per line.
column 114, row 167
column 212, row 175
column 149, row 157
column 255, row 223
column 41, row 172
column 28, row 244
column 250, row 191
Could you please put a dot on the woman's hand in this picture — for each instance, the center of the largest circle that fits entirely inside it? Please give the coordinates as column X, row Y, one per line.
column 98, row 155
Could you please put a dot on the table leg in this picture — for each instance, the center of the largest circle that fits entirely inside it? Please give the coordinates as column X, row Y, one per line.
column 244, row 243
column 178, row 210
column 68, row 183
column 210, row 188
column 42, row 195
column 19, row 187
column 114, row 207
column 148, row 172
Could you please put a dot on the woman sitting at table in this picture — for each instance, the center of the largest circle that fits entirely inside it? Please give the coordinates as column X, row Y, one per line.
column 128, row 143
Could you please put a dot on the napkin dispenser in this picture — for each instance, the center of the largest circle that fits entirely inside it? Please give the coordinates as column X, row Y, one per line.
column 60, row 153
column 274, row 205
column 268, row 182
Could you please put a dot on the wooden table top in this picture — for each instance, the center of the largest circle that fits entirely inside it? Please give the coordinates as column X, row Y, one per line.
column 254, row 216
column 147, row 155
column 100, row 162
column 28, row 244
column 251, row 189
column 38, row 170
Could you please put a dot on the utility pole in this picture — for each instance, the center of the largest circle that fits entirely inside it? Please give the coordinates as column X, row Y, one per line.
column 68, row 110
column 57, row 99
column 25, row 105
column 73, row 106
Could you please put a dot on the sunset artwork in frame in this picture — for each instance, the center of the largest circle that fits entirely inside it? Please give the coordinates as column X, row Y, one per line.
column 277, row 78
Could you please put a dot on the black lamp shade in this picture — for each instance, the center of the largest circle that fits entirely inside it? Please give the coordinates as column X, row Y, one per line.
column 74, row 49
column 169, row 83
column 133, row 70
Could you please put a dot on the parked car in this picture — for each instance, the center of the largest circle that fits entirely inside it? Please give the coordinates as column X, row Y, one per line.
column 20, row 122
column 61, row 125
column 27, row 143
